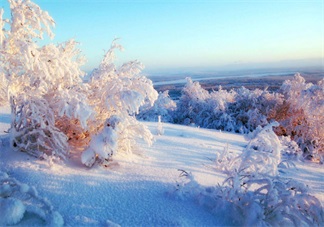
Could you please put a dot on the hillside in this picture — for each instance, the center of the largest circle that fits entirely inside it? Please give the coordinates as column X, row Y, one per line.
column 139, row 189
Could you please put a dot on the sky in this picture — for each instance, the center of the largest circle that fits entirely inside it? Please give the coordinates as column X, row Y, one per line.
column 174, row 34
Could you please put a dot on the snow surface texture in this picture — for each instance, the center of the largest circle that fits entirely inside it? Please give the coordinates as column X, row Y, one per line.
column 18, row 200
column 137, row 190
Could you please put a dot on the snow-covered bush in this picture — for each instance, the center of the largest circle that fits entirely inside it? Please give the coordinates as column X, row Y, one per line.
column 262, row 154
column 53, row 109
column 118, row 92
column 237, row 111
column 253, row 193
column 260, row 200
column 33, row 129
column 301, row 116
column 104, row 144
column 251, row 108
column 43, row 83
column 290, row 148
column 191, row 103
column 298, row 107
column 18, row 201
column 164, row 106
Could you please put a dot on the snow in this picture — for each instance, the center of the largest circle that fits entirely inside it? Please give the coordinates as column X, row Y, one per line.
column 136, row 190
column 12, row 211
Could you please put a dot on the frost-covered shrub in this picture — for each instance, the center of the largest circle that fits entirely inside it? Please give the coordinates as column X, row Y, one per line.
column 118, row 92
column 198, row 106
column 251, row 108
column 104, row 144
column 191, row 102
column 253, row 194
column 290, row 148
column 53, row 109
column 33, row 129
column 18, row 200
column 299, row 109
column 164, row 106
column 43, row 82
column 237, row 111
column 260, row 200
column 301, row 116
column 262, row 154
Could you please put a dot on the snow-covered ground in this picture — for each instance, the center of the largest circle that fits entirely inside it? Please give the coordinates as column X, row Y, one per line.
column 138, row 190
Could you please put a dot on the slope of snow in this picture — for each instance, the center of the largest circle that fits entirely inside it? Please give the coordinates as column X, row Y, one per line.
column 136, row 190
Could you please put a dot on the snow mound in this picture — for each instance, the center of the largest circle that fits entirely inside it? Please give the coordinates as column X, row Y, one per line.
column 18, row 201
column 12, row 211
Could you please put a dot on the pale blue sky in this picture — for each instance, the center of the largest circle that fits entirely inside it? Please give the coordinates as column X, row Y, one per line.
column 179, row 33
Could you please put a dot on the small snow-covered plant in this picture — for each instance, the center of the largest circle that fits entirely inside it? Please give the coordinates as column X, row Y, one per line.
column 18, row 200
column 223, row 158
column 159, row 128
column 262, row 154
column 164, row 106
column 255, row 200
column 260, row 194
column 290, row 148
column 104, row 144
column 260, row 199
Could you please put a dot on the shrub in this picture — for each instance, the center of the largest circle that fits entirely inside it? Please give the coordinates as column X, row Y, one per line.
column 53, row 109
column 236, row 111
column 253, row 193
column 164, row 106
column 301, row 116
